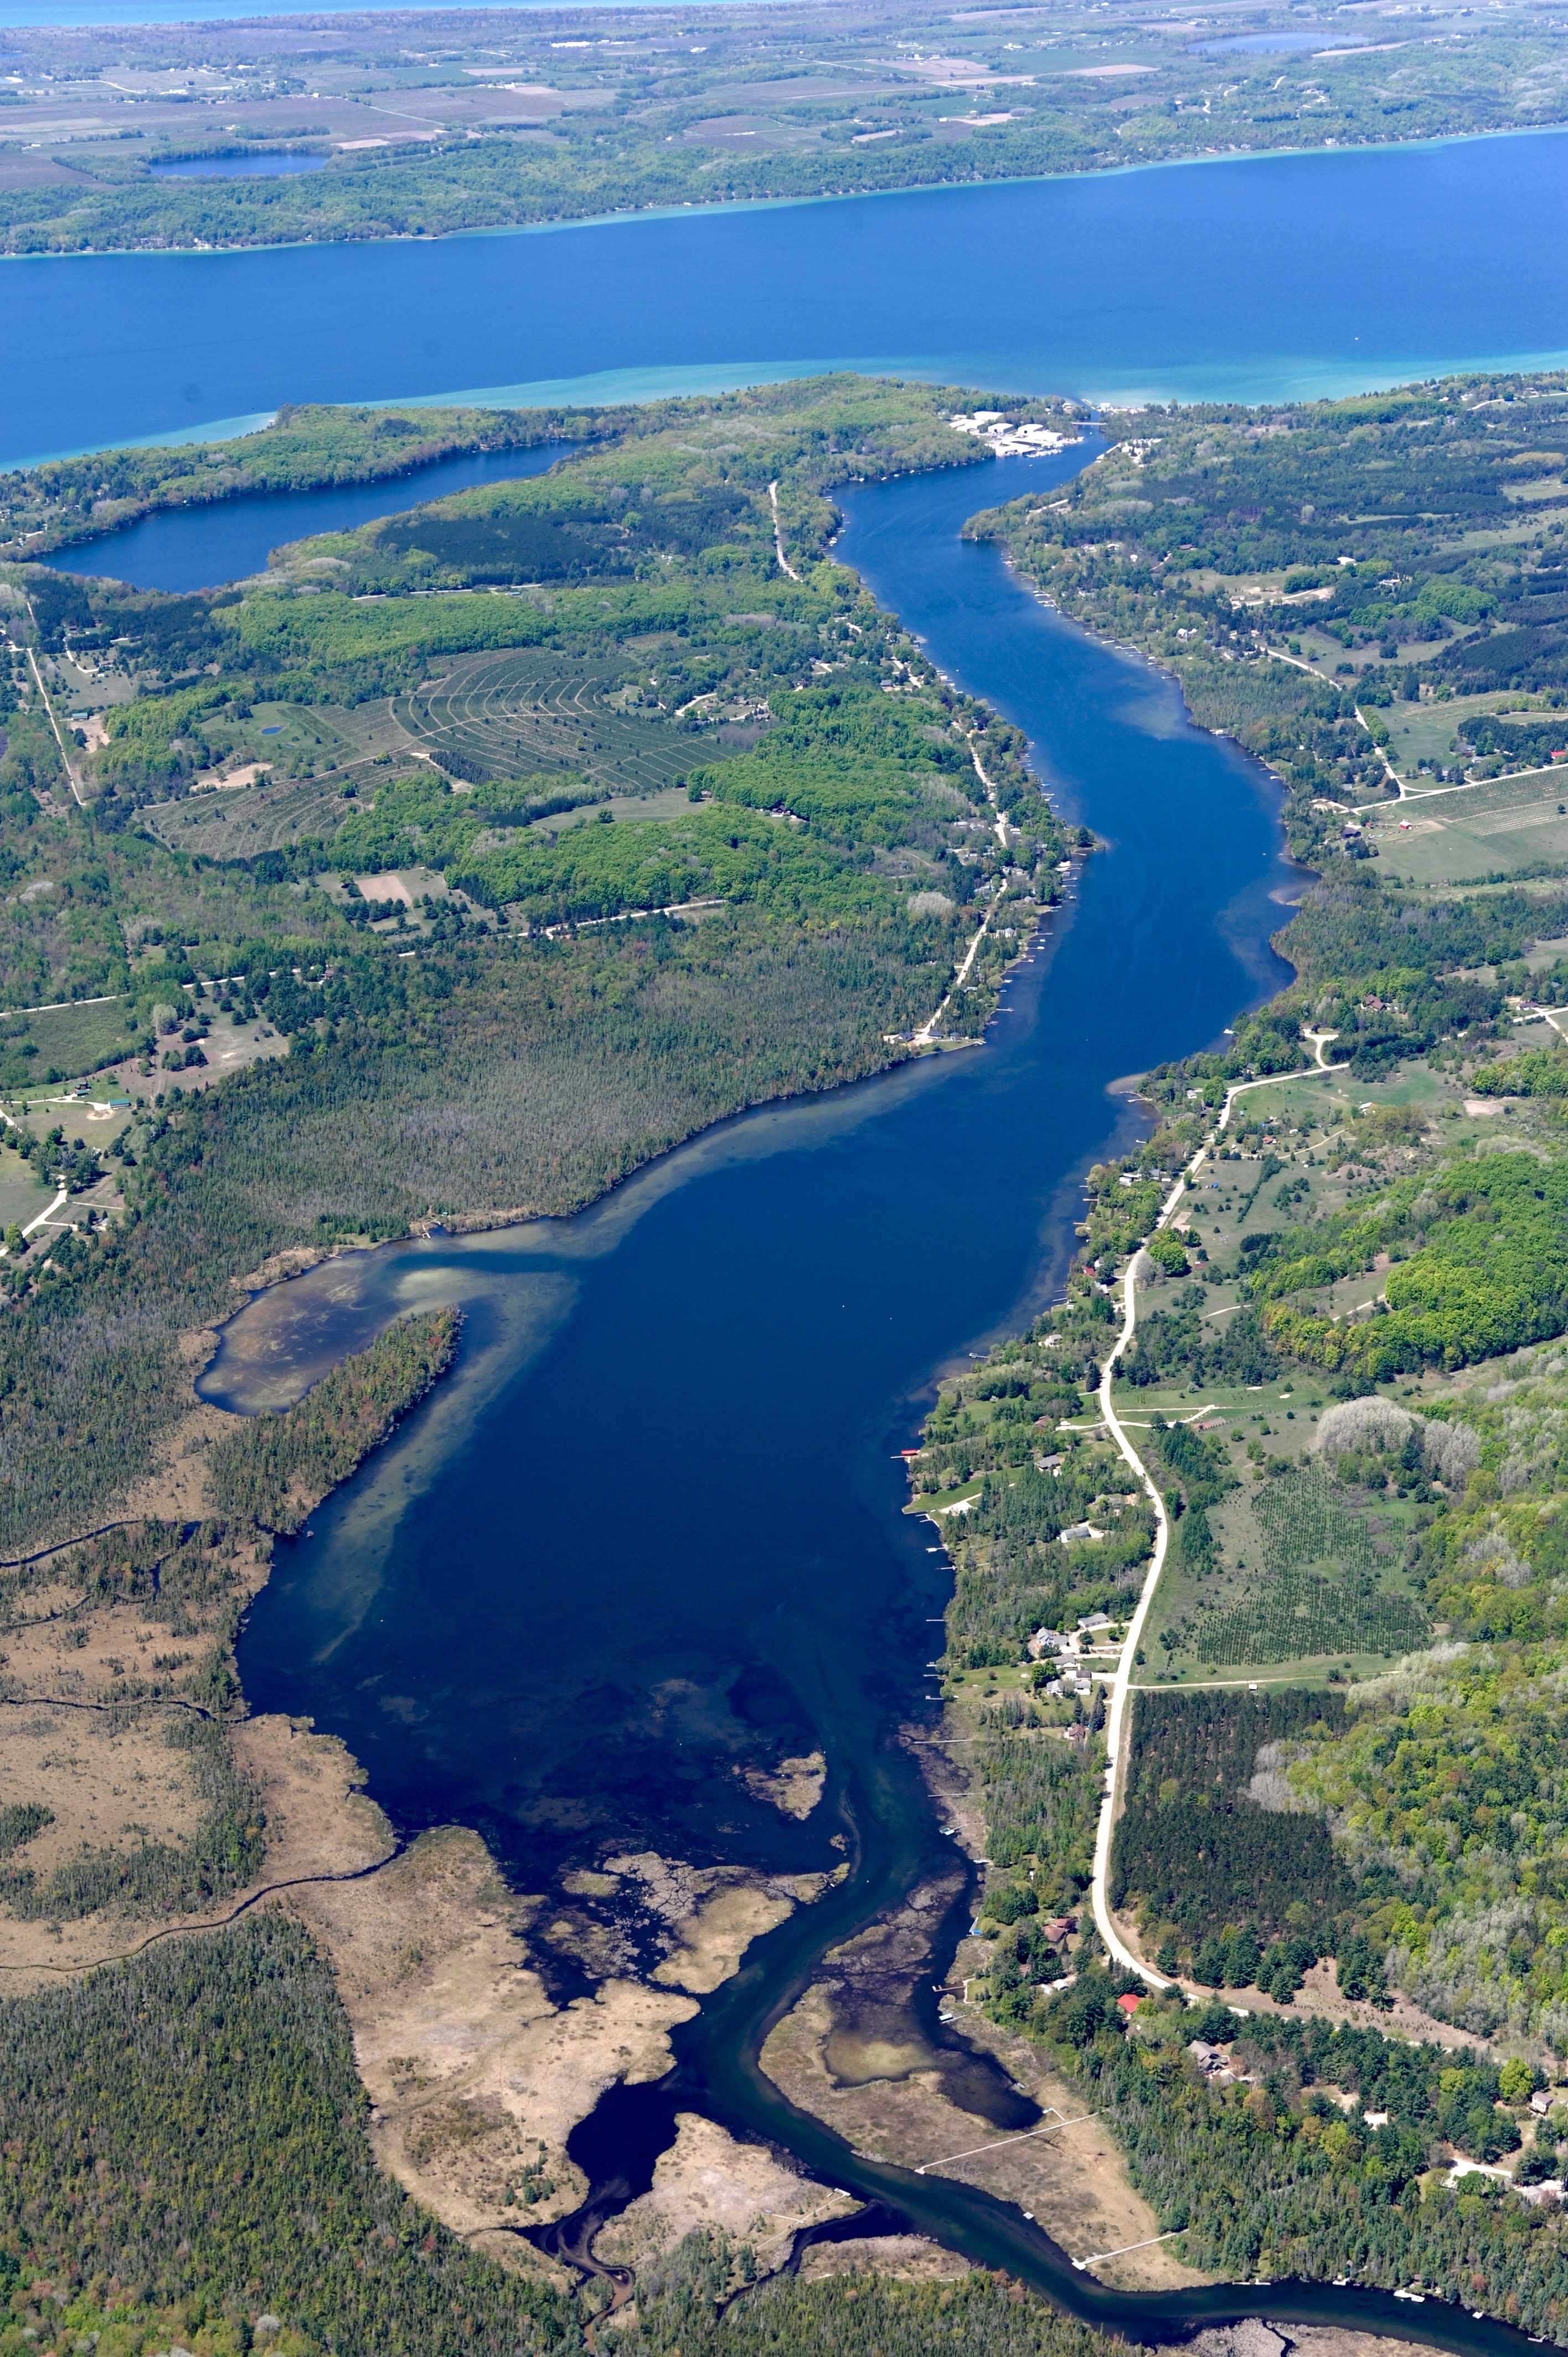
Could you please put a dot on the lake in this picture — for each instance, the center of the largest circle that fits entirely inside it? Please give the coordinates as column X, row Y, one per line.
column 650, row 1531
column 1244, row 279
column 199, row 547
column 237, row 167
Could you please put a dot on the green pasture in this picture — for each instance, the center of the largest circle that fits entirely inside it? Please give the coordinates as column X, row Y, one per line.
column 1430, row 731
column 1496, row 827
column 1308, row 1580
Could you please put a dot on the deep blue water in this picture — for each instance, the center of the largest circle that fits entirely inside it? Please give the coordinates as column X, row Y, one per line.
column 198, row 547
column 238, row 167
column 651, row 1530
column 1251, row 278
column 828, row 1256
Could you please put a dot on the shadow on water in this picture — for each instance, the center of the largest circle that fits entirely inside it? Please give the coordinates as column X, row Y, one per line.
column 647, row 1543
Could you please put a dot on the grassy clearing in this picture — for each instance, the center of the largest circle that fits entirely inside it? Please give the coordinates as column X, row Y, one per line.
column 1260, row 1605
column 1476, row 832
column 1430, row 731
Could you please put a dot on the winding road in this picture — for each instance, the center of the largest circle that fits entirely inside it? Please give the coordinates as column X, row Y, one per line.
column 1120, row 1684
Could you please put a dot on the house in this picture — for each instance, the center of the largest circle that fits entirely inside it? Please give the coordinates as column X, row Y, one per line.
column 1056, row 1929
column 1541, row 2102
column 1129, row 2004
column 1077, row 1531
column 1096, row 1619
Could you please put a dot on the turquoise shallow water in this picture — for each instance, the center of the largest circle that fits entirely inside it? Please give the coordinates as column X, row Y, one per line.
column 1248, row 279
column 649, row 1533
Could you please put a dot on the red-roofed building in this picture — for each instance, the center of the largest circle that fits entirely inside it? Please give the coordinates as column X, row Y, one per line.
column 1129, row 2004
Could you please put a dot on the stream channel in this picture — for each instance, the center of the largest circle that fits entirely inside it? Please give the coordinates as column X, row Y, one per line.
column 650, row 1531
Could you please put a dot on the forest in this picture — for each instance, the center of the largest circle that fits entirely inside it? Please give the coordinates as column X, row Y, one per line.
column 1312, row 2155
column 843, row 842
column 188, row 2155
column 451, row 127
column 1475, row 1272
column 276, row 1469
column 1193, row 1849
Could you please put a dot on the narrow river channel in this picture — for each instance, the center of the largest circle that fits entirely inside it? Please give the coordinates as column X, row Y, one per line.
column 653, row 1527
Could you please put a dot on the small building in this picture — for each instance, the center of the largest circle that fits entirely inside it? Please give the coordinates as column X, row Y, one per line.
column 1129, row 2004
column 1210, row 2059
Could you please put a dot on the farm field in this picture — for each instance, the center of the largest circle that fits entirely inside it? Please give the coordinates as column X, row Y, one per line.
column 1430, row 731
column 520, row 713
column 252, row 819
column 1308, row 1582
column 1468, row 833
column 492, row 716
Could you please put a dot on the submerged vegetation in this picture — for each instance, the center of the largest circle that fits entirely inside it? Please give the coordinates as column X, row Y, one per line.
column 768, row 762
column 276, row 1469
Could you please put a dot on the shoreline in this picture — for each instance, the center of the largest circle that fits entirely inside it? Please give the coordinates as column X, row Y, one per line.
column 620, row 216
column 475, row 1929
